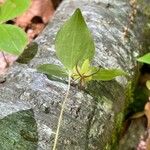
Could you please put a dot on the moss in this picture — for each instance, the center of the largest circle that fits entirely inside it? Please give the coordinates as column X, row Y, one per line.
column 120, row 117
column 19, row 131
column 113, row 144
column 117, row 130
column 145, row 7
column 140, row 98
column 145, row 12
column 146, row 35
column 136, row 96
column 129, row 105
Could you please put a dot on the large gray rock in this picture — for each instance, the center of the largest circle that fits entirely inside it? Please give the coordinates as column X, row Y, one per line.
column 92, row 118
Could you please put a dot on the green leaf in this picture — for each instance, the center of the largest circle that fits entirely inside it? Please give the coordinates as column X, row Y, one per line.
column 84, row 70
column 74, row 42
column 28, row 54
column 52, row 70
column 145, row 58
column 148, row 84
column 12, row 39
column 13, row 8
column 85, row 66
column 107, row 74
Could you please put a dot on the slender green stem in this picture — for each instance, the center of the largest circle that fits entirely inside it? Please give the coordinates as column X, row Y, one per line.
column 92, row 74
column 61, row 113
column 7, row 63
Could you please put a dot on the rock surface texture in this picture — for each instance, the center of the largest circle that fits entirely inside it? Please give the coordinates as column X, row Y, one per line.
column 32, row 102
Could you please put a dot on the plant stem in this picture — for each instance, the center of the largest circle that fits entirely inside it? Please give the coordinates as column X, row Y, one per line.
column 7, row 63
column 78, row 71
column 61, row 113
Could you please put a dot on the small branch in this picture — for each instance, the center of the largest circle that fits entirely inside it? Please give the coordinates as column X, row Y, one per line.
column 61, row 113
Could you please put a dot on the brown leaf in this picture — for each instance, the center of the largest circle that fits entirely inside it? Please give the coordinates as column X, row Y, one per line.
column 2, row 1
column 40, row 8
column 147, row 113
column 137, row 115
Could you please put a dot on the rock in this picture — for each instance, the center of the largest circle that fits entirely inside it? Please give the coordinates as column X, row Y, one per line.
column 19, row 131
column 93, row 118
column 134, row 135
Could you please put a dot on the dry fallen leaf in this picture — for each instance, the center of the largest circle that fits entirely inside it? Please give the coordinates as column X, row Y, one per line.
column 1, row 1
column 40, row 8
column 148, row 84
column 147, row 113
column 144, row 143
column 137, row 115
